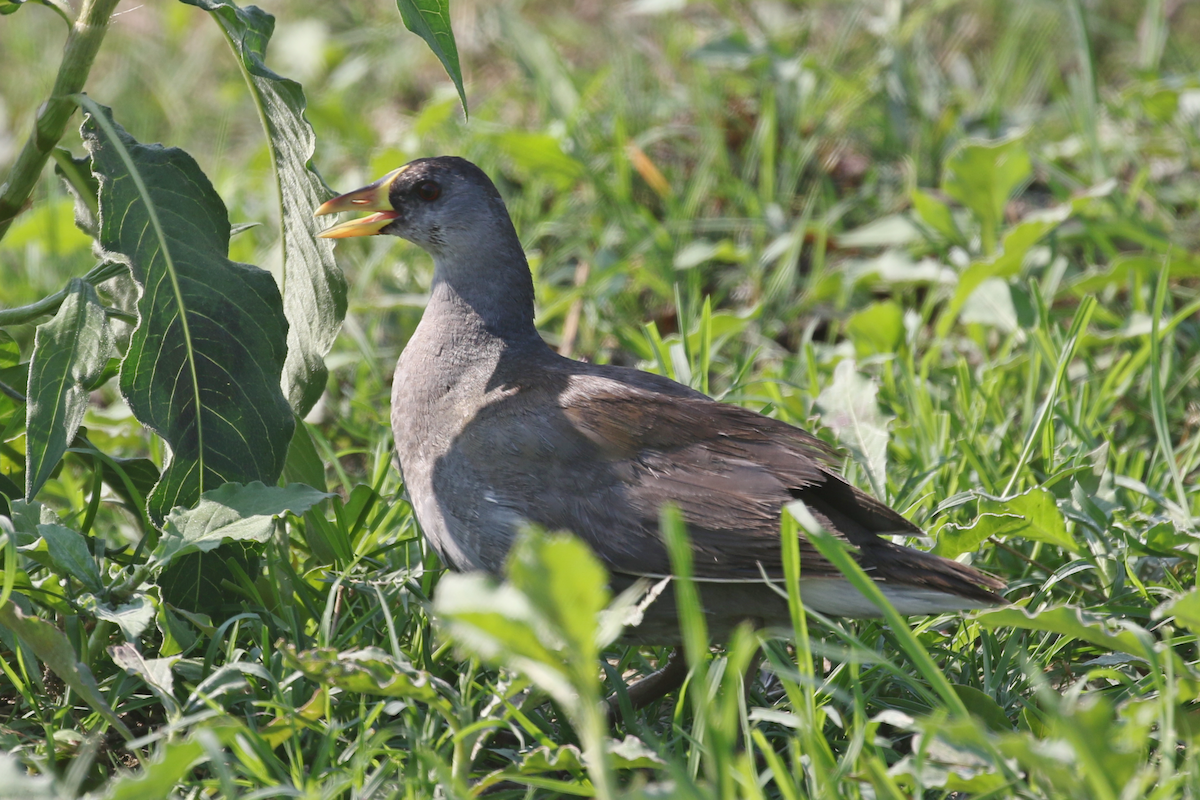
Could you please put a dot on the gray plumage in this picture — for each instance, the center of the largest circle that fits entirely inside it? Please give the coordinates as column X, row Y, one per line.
column 493, row 429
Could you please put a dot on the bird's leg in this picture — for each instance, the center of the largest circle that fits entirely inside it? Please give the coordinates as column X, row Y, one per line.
column 654, row 686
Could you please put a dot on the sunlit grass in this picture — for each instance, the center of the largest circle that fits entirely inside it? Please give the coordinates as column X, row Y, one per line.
column 737, row 182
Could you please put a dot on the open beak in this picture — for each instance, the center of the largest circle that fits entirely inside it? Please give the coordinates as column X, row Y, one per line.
column 369, row 198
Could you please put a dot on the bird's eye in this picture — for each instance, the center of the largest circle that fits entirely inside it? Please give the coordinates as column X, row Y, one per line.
column 428, row 191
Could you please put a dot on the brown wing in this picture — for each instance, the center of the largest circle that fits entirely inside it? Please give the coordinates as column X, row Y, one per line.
column 730, row 471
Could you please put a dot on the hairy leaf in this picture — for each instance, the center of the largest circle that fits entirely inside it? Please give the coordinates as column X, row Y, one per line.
column 1043, row 522
column 54, row 649
column 69, row 352
column 314, row 289
column 848, row 406
column 133, row 617
column 197, row 582
column 70, row 554
column 1184, row 607
column 369, row 670
column 430, row 19
column 233, row 513
column 203, row 366
column 156, row 672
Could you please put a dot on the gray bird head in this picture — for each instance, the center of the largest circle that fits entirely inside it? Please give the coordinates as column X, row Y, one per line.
column 444, row 204
column 449, row 207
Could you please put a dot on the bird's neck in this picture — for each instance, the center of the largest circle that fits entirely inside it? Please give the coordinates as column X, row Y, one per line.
column 486, row 301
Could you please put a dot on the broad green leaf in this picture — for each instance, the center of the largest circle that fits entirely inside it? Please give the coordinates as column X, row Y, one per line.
column 8, row 491
column 878, row 328
column 203, row 366
column 304, row 464
column 131, row 478
column 8, row 542
column 351, row 512
column 1004, row 263
column 700, row 251
column 935, row 214
column 54, row 649
column 69, row 352
column 1161, row 105
column 1185, row 608
column 564, row 758
column 984, row 707
column 314, row 289
column 1075, row 623
column 71, row 555
column 156, row 672
column 566, row 583
column 196, row 582
column 632, row 753
column 10, row 351
column 894, row 230
column 629, row 753
column 954, row 540
column 430, row 19
column 848, row 406
column 291, row 720
column 1032, row 515
column 133, row 617
column 27, row 515
column 11, row 6
column 13, row 375
column 500, row 624
column 991, row 304
column 982, row 175
column 897, row 268
column 176, row 637
column 1043, row 522
column 328, row 542
column 82, row 185
column 159, row 775
column 369, row 670
column 232, row 513
column 950, row 760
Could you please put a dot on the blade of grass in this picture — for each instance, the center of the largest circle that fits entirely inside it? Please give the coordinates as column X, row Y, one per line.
column 1078, row 325
column 835, row 552
column 1158, row 404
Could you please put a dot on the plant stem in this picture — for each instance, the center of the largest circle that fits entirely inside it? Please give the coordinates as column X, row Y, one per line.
column 97, row 641
column 78, row 54
column 593, row 725
column 49, row 305
column 42, row 308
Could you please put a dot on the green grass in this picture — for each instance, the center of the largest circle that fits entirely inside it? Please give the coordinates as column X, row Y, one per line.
column 743, row 197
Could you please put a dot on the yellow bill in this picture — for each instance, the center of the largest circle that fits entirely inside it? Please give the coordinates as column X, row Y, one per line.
column 373, row 197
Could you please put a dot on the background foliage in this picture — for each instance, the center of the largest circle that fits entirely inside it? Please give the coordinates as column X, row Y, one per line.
column 959, row 239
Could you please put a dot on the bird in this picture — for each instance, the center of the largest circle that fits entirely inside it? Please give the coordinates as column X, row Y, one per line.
column 495, row 431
